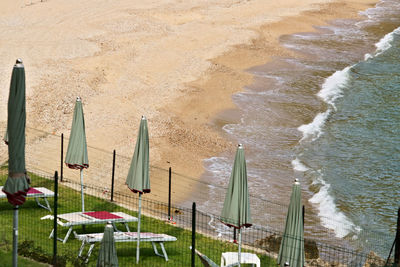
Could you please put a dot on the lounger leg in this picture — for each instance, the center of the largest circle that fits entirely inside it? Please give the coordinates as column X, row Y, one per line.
column 81, row 249
column 89, row 252
column 51, row 234
column 163, row 250
column 127, row 227
column 68, row 233
column 47, row 207
column 115, row 227
column 60, row 239
column 47, row 204
column 117, row 230
column 155, row 249
column 164, row 255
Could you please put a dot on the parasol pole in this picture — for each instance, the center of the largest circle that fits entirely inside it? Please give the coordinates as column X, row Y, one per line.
column 240, row 232
column 15, row 238
column 240, row 245
column 138, row 231
column 83, row 199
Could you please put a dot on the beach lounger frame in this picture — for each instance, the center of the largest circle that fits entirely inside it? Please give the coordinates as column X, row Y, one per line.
column 78, row 218
column 44, row 194
column 92, row 239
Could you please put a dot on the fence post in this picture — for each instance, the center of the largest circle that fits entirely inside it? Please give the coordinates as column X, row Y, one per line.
column 112, row 177
column 169, row 194
column 55, row 219
column 397, row 248
column 62, row 157
column 193, row 233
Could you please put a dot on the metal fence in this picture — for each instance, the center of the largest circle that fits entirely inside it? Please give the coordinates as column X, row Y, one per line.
column 212, row 237
column 105, row 179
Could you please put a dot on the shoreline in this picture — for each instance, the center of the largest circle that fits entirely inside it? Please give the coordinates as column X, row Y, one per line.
column 144, row 58
column 259, row 51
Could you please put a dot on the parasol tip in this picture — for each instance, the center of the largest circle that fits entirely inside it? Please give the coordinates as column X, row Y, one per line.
column 109, row 224
column 78, row 98
column 296, row 181
column 18, row 63
column 143, row 117
column 240, row 146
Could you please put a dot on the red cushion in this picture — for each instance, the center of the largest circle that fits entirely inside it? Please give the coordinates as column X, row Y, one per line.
column 102, row 215
column 33, row 191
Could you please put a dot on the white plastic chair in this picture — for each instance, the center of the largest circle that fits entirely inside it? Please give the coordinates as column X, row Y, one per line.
column 228, row 258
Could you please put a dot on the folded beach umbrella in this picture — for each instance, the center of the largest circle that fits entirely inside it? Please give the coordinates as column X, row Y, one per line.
column 5, row 139
column 236, row 209
column 138, row 180
column 77, row 156
column 107, row 253
column 292, row 244
column 16, row 185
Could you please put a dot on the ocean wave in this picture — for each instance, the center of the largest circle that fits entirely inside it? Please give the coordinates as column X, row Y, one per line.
column 333, row 86
column 331, row 90
column 327, row 210
column 313, row 130
column 298, row 165
column 384, row 44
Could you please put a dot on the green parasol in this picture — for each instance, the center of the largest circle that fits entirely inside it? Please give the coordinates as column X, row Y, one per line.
column 138, row 180
column 292, row 245
column 236, row 209
column 16, row 186
column 77, row 156
column 107, row 253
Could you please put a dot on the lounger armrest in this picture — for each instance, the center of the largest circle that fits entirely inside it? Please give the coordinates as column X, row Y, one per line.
column 47, row 217
column 51, row 217
column 76, row 234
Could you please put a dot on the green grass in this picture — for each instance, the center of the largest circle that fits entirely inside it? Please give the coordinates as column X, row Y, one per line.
column 33, row 229
column 6, row 260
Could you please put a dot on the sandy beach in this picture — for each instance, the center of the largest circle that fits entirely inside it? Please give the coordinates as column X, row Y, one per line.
column 176, row 62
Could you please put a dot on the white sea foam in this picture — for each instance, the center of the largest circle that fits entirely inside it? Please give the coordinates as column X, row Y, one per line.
column 313, row 130
column 219, row 166
column 327, row 210
column 298, row 165
column 384, row 44
column 332, row 88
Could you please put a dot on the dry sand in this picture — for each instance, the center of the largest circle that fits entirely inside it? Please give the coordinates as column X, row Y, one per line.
column 177, row 62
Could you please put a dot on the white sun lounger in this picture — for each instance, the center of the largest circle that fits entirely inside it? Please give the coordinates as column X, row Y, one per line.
column 36, row 192
column 92, row 239
column 90, row 217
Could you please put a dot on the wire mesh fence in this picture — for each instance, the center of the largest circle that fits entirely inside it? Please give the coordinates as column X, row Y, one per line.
column 105, row 187
column 212, row 237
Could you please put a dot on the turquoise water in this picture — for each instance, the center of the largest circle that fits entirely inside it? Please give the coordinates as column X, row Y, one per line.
column 330, row 117
column 355, row 158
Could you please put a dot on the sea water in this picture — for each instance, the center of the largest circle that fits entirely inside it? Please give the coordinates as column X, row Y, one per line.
column 330, row 117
